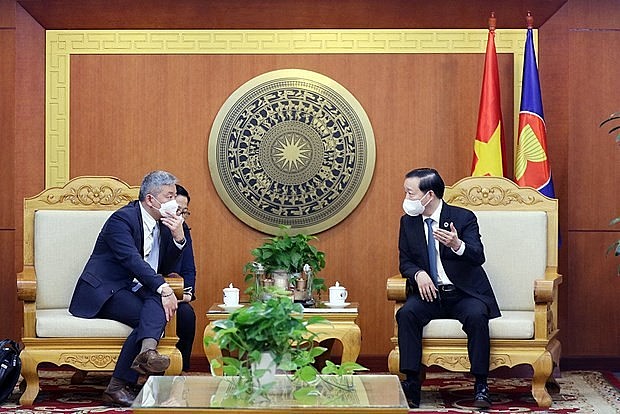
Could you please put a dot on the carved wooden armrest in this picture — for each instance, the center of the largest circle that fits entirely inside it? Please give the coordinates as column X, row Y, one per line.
column 27, row 284
column 397, row 288
column 176, row 283
column 545, row 289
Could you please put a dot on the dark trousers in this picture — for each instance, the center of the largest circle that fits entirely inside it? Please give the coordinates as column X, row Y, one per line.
column 470, row 311
column 186, row 331
column 144, row 312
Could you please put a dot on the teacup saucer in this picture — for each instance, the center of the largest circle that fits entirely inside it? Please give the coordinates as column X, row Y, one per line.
column 336, row 305
column 229, row 308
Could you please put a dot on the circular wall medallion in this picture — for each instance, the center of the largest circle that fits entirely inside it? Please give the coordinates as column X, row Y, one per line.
column 291, row 147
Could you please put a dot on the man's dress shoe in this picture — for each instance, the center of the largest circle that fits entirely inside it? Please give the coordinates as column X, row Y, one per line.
column 150, row 362
column 122, row 397
column 412, row 392
column 481, row 396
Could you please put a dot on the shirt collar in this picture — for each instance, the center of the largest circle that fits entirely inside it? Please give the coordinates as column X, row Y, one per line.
column 147, row 220
column 436, row 214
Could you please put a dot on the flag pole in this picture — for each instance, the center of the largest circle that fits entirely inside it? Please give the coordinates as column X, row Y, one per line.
column 492, row 22
column 529, row 20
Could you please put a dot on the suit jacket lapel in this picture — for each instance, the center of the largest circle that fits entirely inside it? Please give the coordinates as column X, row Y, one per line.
column 445, row 219
column 419, row 232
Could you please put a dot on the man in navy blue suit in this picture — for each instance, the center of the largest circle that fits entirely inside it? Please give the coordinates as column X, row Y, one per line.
column 441, row 254
column 123, row 281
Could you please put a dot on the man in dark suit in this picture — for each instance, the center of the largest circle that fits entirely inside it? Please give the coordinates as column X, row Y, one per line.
column 441, row 254
column 122, row 280
column 186, row 317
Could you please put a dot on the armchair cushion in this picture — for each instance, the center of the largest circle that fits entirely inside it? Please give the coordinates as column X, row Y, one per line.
column 59, row 235
column 515, row 247
column 59, row 323
column 511, row 325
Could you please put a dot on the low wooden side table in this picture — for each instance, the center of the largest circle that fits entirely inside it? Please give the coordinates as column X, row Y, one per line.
column 342, row 326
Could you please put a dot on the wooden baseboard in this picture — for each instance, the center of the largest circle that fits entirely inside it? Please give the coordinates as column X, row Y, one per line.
column 378, row 363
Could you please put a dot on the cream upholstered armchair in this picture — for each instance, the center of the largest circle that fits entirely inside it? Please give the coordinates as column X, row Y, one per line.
column 519, row 229
column 61, row 225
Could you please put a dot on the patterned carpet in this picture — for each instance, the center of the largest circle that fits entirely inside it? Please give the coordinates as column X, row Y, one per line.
column 443, row 392
column 581, row 392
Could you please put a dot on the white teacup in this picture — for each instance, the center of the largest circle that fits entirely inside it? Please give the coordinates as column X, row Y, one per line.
column 231, row 296
column 337, row 294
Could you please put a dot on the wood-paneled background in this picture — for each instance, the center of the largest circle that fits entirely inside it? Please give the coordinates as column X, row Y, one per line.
column 134, row 113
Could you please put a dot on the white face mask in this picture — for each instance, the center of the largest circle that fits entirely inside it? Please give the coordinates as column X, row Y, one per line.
column 168, row 208
column 414, row 207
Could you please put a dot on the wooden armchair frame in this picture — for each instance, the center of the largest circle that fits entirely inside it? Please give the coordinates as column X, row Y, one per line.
column 542, row 351
column 84, row 353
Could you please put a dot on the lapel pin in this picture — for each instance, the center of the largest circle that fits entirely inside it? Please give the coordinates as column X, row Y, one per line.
column 445, row 224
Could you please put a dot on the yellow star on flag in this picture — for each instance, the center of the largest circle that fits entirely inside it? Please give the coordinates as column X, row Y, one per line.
column 489, row 155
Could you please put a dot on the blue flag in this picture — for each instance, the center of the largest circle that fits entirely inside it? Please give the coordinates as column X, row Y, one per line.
column 532, row 167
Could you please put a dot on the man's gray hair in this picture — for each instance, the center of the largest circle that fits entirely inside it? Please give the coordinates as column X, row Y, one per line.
column 153, row 183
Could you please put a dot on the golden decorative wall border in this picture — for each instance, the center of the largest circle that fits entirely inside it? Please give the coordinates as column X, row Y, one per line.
column 62, row 44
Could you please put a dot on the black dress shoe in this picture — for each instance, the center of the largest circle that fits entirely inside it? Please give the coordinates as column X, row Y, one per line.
column 412, row 392
column 150, row 362
column 121, row 397
column 481, row 396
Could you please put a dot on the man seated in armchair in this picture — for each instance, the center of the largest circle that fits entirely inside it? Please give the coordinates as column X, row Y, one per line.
column 122, row 280
column 441, row 254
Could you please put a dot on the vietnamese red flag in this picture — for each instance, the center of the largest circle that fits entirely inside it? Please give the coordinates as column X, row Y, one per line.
column 489, row 143
column 532, row 168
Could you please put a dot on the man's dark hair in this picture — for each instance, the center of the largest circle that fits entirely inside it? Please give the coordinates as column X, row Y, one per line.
column 429, row 180
column 181, row 191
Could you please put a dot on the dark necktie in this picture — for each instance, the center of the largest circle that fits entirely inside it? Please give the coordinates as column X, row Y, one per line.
column 432, row 253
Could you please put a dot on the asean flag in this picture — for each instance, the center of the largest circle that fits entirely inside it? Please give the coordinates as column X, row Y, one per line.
column 532, row 168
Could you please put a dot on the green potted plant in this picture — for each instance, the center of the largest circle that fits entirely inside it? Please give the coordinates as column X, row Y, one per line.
column 615, row 246
column 286, row 254
column 274, row 329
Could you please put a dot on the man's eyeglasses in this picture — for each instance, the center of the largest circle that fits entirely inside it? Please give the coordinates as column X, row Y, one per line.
column 184, row 212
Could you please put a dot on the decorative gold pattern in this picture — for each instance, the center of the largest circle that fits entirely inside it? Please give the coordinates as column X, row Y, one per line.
column 455, row 362
column 89, row 360
column 62, row 44
column 499, row 360
column 458, row 362
column 291, row 147
column 491, row 196
column 88, row 195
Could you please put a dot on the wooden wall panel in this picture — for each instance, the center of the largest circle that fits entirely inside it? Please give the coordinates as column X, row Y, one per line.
column 26, row 166
column 8, row 305
column 591, row 324
column 269, row 14
column 7, row 117
column 11, row 324
column 132, row 114
column 29, row 150
column 593, row 173
column 594, row 157
column 594, row 14
column 7, row 14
